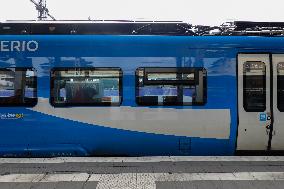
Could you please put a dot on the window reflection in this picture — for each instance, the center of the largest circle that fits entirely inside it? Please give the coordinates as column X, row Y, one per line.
column 254, row 81
column 280, row 86
column 171, row 86
column 18, row 87
column 86, row 86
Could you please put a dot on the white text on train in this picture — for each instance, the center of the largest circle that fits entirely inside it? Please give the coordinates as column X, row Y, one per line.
column 18, row 46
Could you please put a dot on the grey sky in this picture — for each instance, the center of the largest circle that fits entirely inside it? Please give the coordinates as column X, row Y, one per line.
column 197, row 12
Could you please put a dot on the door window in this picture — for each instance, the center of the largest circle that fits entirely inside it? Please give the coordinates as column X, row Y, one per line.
column 280, row 86
column 254, row 93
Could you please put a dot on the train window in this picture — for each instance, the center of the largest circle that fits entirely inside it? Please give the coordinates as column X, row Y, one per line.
column 18, row 87
column 254, row 82
column 86, row 87
column 171, row 86
column 280, row 86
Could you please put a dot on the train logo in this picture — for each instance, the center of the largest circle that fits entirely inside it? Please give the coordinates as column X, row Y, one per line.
column 262, row 117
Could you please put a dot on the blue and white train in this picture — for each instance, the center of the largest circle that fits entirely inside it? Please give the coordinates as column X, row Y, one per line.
column 125, row 88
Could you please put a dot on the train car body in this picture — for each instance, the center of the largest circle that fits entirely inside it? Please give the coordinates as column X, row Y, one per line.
column 140, row 95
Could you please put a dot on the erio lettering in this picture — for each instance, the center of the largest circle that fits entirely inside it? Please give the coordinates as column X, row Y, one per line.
column 18, row 46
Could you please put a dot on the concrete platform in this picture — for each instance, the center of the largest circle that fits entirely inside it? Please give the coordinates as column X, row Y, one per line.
column 144, row 173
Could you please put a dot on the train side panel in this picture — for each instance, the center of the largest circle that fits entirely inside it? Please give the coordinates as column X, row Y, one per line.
column 128, row 129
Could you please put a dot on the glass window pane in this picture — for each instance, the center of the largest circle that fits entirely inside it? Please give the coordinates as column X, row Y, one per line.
column 18, row 87
column 86, row 86
column 280, row 86
column 254, row 81
column 162, row 76
column 170, row 86
column 189, row 94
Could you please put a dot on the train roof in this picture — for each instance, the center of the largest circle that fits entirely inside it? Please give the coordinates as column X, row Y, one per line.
column 129, row 27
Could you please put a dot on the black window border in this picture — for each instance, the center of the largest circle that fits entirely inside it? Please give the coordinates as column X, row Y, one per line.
column 33, row 101
column 51, row 99
column 265, row 92
column 177, row 70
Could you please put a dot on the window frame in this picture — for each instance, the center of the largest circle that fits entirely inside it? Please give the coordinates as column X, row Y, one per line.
column 33, row 101
column 178, row 83
column 52, row 79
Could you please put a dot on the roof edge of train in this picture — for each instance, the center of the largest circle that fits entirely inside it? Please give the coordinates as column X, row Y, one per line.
column 139, row 27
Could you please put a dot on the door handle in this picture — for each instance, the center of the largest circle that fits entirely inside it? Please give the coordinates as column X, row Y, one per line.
column 267, row 129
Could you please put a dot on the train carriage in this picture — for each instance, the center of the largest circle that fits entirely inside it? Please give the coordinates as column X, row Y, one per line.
column 122, row 88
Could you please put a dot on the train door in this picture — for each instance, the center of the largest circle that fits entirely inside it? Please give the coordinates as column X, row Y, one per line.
column 277, row 142
column 254, row 102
